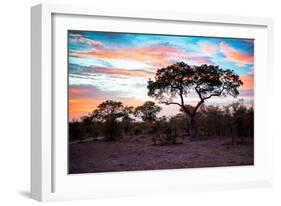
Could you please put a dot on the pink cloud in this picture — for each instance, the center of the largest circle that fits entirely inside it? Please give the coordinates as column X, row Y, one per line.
column 251, row 72
column 75, row 35
column 81, row 39
column 250, row 41
column 82, row 91
column 157, row 55
column 236, row 56
column 199, row 60
column 91, row 70
column 208, row 48
column 246, row 92
column 133, row 73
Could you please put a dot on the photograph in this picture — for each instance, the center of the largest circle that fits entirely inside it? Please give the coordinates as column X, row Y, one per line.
column 141, row 101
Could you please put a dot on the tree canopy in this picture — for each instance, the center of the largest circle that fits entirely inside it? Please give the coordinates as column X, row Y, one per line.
column 147, row 111
column 110, row 109
column 180, row 79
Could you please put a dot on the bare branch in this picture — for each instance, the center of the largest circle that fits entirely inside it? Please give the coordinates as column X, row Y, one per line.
column 214, row 95
column 199, row 93
column 169, row 103
column 182, row 106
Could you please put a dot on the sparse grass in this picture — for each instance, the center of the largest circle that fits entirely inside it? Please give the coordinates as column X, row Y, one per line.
column 135, row 153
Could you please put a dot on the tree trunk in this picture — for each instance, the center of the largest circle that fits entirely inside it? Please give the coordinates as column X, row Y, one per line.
column 193, row 128
column 192, row 116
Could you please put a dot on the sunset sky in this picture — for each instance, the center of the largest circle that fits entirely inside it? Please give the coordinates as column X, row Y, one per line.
column 117, row 66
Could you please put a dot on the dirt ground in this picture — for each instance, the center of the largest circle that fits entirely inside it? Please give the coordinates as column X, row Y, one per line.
column 130, row 154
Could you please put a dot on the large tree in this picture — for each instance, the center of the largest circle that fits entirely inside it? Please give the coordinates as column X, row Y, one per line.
column 147, row 111
column 180, row 80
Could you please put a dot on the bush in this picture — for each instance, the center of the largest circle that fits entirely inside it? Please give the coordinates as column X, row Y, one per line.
column 136, row 130
column 76, row 130
column 167, row 133
column 112, row 130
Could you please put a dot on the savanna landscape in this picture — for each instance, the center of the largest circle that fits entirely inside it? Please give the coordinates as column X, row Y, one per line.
column 150, row 102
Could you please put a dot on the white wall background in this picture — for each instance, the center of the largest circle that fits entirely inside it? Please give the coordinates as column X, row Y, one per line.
column 15, row 101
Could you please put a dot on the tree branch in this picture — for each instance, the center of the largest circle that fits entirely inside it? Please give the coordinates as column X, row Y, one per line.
column 196, row 108
column 182, row 106
column 181, row 96
column 199, row 93
column 169, row 103
column 214, row 95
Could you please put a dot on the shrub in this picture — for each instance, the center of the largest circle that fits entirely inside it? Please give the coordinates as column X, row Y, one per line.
column 112, row 130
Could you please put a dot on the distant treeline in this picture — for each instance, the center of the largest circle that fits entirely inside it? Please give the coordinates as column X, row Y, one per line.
column 112, row 121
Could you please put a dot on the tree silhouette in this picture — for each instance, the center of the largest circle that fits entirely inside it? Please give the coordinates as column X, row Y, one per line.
column 108, row 112
column 126, row 119
column 180, row 79
column 147, row 111
column 87, row 122
column 110, row 109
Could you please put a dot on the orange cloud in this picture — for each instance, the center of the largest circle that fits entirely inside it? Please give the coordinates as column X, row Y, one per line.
column 208, row 48
column 156, row 55
column 236, row 56
column 248, row 81
column 81, row 106
column 130, row 101
column 83, row 99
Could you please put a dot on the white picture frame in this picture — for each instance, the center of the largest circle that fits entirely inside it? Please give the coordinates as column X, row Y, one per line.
column 49, row 178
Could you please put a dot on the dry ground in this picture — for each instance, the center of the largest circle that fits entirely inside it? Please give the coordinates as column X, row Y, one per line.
column 139, row 154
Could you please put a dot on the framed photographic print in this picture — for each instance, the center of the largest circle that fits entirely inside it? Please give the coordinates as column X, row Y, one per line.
column 133, row 102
